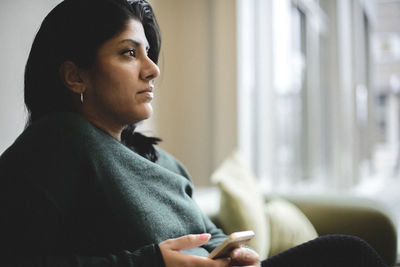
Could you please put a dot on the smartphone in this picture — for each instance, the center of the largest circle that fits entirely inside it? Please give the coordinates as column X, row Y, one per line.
column 234, row 240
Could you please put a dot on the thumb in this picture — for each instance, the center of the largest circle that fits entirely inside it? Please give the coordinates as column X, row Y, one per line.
column 186, row 242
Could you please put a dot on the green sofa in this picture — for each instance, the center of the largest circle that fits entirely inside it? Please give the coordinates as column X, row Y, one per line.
column 332, row 214
column 365, row 218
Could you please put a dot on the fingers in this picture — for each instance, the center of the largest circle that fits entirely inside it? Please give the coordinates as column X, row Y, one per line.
column 206, row 262
column 173, row 258
column 224, row 262
column 186, row 242
column 245, row 257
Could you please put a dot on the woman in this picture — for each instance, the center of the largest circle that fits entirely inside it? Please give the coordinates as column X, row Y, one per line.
column 72, row 192
column 79, row 187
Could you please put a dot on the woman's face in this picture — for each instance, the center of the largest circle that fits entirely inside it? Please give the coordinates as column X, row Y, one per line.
column 119, row 86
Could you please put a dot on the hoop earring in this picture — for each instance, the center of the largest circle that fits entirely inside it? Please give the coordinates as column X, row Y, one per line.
column 82, row 97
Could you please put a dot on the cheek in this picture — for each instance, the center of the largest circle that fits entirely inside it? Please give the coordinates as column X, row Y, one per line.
column 110, row 77
column 122, row 78
column 115, row 84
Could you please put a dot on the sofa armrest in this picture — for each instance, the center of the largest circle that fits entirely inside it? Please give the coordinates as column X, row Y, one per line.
column 368, row 219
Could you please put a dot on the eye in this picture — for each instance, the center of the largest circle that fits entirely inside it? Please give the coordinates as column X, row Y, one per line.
column 130, row 52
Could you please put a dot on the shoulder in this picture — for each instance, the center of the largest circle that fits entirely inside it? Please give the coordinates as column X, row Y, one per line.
column 169, row 162
column 57, row 126
column 59, row 139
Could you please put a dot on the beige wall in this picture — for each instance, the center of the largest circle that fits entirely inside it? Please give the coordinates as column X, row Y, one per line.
column 195, row 106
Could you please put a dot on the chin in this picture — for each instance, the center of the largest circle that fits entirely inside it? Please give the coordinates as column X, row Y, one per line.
column 148, row 112
column 143, row 114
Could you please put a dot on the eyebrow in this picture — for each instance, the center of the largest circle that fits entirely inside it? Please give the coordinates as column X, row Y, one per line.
column 136, row 43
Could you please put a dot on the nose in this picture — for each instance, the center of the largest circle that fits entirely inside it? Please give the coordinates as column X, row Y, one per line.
column 150, row 70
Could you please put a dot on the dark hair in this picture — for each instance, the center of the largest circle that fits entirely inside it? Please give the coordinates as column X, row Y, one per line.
column 74, row 30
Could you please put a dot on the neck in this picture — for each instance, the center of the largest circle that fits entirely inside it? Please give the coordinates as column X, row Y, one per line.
column 107, row 125
column 114, row 131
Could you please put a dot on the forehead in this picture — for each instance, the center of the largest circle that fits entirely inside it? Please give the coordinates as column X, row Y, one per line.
column 133, row 31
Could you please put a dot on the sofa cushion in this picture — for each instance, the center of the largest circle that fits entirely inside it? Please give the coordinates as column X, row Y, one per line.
column 289, row 226
column 242, row 205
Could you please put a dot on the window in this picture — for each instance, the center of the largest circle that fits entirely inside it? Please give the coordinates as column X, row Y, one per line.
column 303, row 92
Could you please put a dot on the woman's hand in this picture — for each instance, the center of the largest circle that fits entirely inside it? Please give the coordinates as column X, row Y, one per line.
column 244, row 257
column 170, row 250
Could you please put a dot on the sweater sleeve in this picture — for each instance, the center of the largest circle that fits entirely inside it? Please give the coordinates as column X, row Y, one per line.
column 32, row 226
column 147, row 256
column 217, row 235
column 23, row 247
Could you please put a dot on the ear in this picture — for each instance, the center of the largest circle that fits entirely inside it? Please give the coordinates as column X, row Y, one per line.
column 71, row 75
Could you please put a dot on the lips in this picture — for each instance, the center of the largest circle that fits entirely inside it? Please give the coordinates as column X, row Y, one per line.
column 146, row 94
column 148, row 90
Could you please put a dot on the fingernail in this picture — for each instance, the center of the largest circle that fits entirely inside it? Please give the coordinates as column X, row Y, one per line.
column 205, row 236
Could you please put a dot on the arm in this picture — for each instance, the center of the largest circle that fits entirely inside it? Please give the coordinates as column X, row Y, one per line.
column 169, row 162
column 34, row 232
column 146, row 256
column 217, row 235
column 149, row 256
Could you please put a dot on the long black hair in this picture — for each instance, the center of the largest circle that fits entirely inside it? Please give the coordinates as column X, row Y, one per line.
column 73, row 31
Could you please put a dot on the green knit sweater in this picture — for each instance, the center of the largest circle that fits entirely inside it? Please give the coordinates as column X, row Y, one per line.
column 73, row 195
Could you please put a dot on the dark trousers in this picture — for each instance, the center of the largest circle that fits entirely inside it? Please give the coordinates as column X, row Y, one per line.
column 328, row 251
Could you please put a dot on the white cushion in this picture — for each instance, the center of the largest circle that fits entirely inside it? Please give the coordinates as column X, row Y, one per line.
column 289, row 226
column 242, row 205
